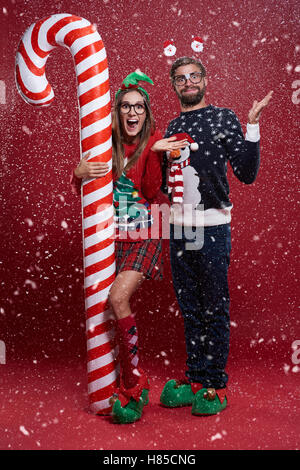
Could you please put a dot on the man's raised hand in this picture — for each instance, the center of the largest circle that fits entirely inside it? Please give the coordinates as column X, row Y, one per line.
column 257, row 107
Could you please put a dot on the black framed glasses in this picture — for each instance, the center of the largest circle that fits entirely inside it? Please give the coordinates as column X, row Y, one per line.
column 194, row 77
column 139, row 108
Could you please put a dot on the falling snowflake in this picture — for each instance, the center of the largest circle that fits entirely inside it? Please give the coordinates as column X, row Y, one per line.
column 64, row 224
column 24, row 430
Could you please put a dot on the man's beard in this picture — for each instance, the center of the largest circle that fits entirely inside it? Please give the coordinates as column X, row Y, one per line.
column 188, row 101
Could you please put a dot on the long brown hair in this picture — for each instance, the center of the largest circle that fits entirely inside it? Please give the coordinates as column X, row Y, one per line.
column 118, row 151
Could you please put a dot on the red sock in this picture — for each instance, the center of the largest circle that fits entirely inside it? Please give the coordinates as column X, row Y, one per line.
column 128, row 350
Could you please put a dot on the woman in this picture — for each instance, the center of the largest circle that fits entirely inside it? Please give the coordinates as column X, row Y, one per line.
column 137, row 178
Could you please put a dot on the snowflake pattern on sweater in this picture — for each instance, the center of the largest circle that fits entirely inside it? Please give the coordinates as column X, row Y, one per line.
column 220, row 137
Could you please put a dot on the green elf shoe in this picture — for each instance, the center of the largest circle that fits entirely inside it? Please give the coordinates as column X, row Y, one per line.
column 209, row 401
column 177, row 393
column 128, row 404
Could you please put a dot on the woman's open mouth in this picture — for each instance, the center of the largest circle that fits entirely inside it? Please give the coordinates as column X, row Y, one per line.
column 132, row 124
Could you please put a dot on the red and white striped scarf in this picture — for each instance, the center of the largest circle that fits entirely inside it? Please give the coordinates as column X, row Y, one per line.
column 175, row 181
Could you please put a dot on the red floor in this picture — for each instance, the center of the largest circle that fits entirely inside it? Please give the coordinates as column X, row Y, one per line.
column 43, row 406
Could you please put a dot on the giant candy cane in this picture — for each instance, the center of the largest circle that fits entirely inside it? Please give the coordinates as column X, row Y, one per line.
column 87, row 49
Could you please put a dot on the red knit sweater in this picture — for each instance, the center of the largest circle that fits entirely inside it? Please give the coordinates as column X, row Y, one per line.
column 146, row 179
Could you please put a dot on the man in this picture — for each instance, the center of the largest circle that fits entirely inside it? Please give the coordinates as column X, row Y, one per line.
column 200, row 269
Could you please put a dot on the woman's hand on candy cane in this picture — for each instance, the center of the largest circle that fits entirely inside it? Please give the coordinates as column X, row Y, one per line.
column 87, row 169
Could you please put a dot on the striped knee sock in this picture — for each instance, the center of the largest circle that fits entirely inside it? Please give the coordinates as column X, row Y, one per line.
column 128, row 338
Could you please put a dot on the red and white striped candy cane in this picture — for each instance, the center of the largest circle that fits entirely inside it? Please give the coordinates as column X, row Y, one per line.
column 87, row 49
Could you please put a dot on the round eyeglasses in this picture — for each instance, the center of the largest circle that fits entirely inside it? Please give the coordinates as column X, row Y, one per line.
column 139, row 108
column 194, row 77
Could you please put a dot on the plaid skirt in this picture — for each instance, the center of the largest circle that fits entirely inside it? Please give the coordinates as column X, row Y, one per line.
column 144, row 256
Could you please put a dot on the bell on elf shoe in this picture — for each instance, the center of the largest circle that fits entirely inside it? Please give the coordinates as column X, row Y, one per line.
column 209, row 401
column 178, row 393
column 127, row 404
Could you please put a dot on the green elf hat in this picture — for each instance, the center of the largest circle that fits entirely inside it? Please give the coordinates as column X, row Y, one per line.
column 132, row 81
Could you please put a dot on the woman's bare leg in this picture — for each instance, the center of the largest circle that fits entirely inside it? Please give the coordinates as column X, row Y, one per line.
column 125, row 284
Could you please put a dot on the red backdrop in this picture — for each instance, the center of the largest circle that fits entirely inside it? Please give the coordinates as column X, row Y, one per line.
column 250, row 48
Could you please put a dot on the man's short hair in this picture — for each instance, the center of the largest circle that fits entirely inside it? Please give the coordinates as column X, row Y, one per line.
column 186, row 61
